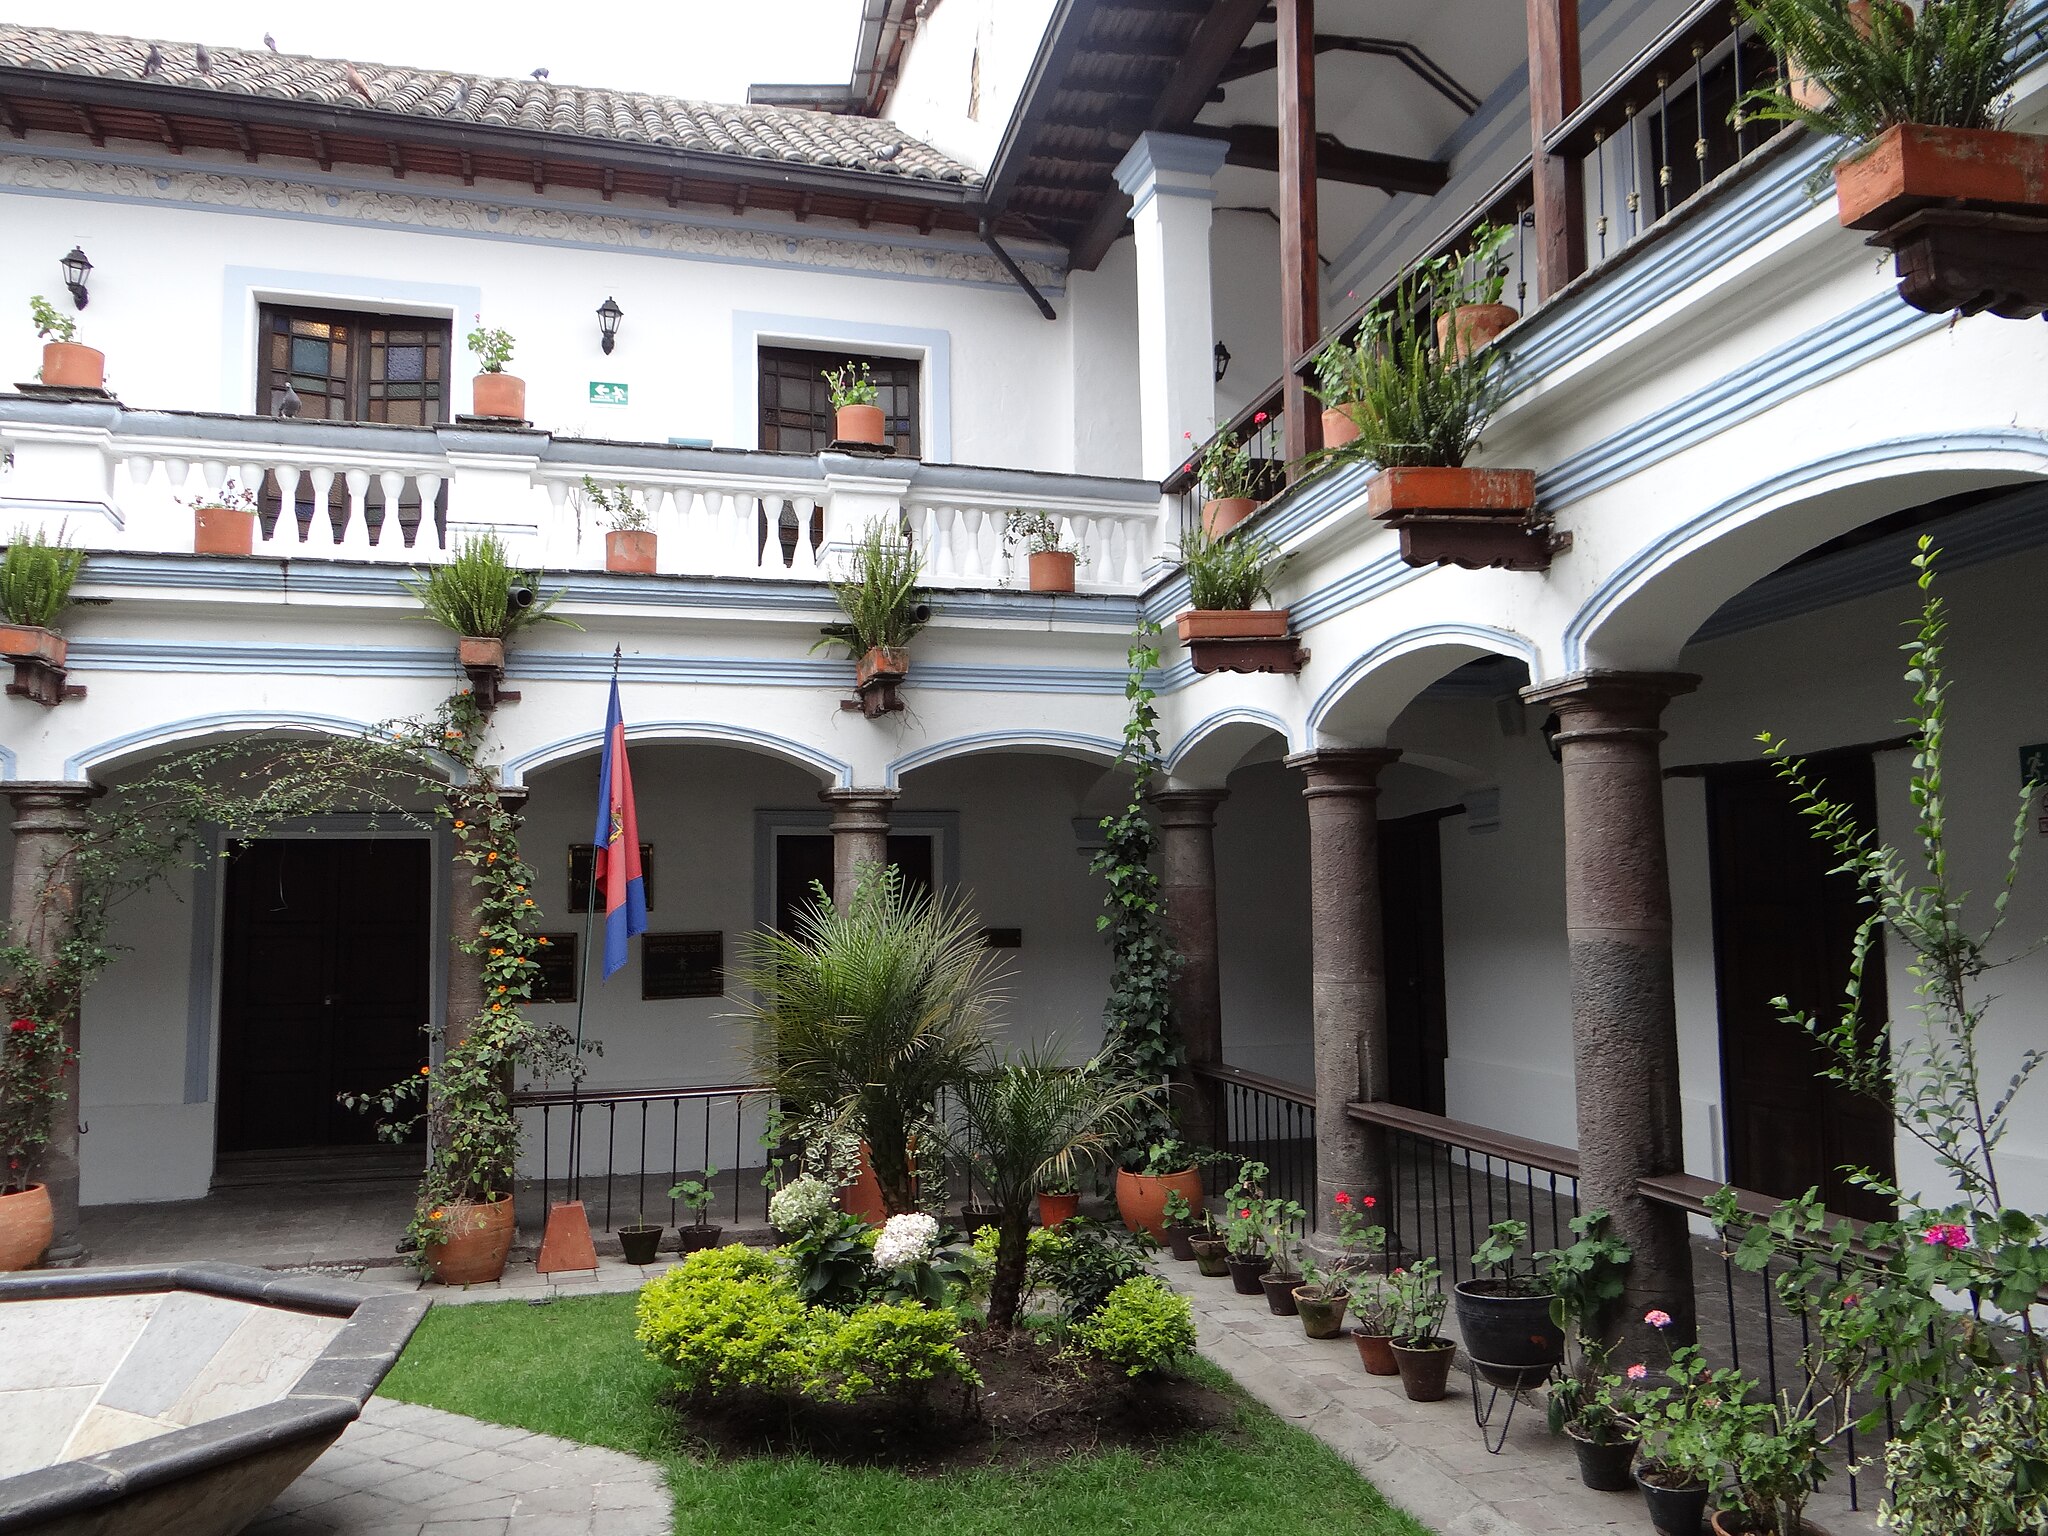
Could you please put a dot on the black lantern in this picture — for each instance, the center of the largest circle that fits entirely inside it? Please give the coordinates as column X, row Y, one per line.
column 1222, row 361
column 608, row 317
column 75, row 269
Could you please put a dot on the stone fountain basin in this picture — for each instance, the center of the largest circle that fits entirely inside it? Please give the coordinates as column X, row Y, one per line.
column 178, row 1400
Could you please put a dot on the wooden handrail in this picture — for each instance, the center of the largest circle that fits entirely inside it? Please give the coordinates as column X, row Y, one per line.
column 527, row 1097
column 1279, row 1088
column 1472, row 1138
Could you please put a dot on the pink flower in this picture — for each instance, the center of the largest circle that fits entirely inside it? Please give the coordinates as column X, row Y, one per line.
column 1245, row 1214
column 1637, row 1372
column 1259, row 419
column 1852, row 1300
column 1370, row 1202
column 1656, row 1317
column 1947, row 1235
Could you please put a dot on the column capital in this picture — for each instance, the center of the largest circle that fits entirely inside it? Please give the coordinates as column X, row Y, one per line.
column 1171, row 165
column 856, row 802
column 1187, row 807
column 79, row 790
column 1602, row 700
column 1342, row 770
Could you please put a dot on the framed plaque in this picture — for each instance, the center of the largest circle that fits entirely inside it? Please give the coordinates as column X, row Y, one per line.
column 559, row 968
column 682, row 965
column 579, row 875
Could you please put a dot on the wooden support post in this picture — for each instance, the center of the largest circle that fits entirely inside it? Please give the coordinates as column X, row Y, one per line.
column 1560, row 191
column 1301, row 315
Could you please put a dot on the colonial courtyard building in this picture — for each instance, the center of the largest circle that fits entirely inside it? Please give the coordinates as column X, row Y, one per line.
column 1492, row 864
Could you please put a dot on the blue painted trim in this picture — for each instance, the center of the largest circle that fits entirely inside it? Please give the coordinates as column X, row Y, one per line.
column 752, row 327
column 254, row 721
column 242, row 288
column 1209, row 726
column 993, row 741
column 1614, row 591
column 711, row 732
column 1500, row 642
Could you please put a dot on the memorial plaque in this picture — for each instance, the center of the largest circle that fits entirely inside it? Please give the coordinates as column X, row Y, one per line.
column 559, row 970
column 682, row 965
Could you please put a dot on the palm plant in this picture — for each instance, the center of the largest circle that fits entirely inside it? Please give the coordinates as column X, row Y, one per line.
column 879, row 596
column 1024, row 1124
column 864, row 1015
column 1877, row 66
column 478, row 593
column 1233, row 571
column 36, row 575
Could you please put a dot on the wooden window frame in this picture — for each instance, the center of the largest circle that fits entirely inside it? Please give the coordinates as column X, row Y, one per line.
column 808, row 361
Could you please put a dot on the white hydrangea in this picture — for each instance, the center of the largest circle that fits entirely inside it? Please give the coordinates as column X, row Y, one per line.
column 800, row 1205
column 906, row 1240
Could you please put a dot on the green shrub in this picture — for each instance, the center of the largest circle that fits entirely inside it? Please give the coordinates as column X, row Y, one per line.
column 893, row 1349
column 728, row 1320
column 36, row 575
column 1086, row 1262
column 1231, row 572
column 1143, row 1327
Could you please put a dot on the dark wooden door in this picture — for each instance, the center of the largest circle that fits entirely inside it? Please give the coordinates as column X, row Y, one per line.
column 804, row 859
column 324, row 985
column 1412, row 918
column 1784, row 926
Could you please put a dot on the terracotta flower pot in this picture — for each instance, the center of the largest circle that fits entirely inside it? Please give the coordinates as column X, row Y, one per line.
column 1054, row 1209
column 1212, row 1256
column 475, row 1239
column 1141, row 1197
column 1225, row 513
column 1340, row 424
column 1322, row 1317
column 1375, row 1353
column 1675, row 1510
column 26, row 1227
column 499, row 395
column 888, row 663
column 863, row 1197
column 1279, row 1291
column 1425, row 1367
column 1477, row 325
column 1231, row 624
column 1736, row 1522
column 1052, row 570
column 1441, row 489
column 223, row 531
column 639, row 1244
column 696, row 1236
column 67, row 365
column 480, row 651
column 1603, row 1464
column 629, row 550
column 1912, row 167
column 31, row 642
column 1177, row 1243
column 860, row 424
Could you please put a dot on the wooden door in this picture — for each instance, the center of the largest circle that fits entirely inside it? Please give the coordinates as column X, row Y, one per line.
column 1412, row 919
column 1784, row 926
column 324, row 985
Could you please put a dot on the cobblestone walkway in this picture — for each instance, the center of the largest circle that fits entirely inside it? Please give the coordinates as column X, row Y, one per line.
column 402, row 1470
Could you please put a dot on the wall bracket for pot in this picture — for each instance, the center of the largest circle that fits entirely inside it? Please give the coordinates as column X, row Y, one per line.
column 1478, row 541
column 860, row 449
column 1281, row 654
column 1971, row 260
column 487, row 683
column 878, row 696
column 42, row 682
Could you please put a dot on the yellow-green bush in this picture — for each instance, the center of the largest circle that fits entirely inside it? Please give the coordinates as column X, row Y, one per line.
column 1144, row 1326
column 896, row 1349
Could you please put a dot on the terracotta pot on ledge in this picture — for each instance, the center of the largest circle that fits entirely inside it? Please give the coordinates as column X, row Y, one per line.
column 1225, row 513
column 883, row 663
column 1240, row 640
column 501, row 396
column 1340, row 424
column 629, row 551
column 1052, row 570
column 26, row 1227
column 223, row 531
column 68, row 365
column 1911, row 167
column 860, row 424
column 32, row 643
column 1231, row 624
column 1473, row 518
column 1476, row 326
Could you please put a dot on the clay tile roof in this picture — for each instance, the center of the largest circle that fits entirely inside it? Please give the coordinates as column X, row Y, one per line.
column 784, row 135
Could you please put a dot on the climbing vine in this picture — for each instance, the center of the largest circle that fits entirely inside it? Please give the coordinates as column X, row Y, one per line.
column 1139, row 1013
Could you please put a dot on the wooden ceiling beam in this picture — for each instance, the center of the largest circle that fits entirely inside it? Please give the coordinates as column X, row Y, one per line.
column 540, row 175
column 1256, row 147
column 247, row 140
column 168, row 132
column 467, row 161
column 1263, row 58
column 610, row 184
column 322, row 155
column 397, row 158
column 89, row 124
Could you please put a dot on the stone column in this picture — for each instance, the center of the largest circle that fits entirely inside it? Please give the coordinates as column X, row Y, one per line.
column 1171, row 179
column 860, row 835
column 49, row 822
column 1187, row 826
column 1348, row 996
column 1617, row 902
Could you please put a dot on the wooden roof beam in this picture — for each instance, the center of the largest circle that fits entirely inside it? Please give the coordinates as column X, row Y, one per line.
column 1257, row 148
column 247, row 140
column 10, row 122
column 468, row 164
column 1262, row 58
column 167, row 131
column 675, row 191
column 540, row 175
column 322, row 155
column 89, row 124
column 397, row 158
column 610, row 184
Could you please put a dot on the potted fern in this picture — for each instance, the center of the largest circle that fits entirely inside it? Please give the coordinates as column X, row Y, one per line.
column 36, row 577
column 495, row 393
column 629, row 544
column 483, row 600
column 1049, row 556
column 856, row 415
column 884, row 611
column 67, row 364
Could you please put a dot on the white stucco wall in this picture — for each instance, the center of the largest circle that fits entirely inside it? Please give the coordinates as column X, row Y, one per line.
column 964, row 72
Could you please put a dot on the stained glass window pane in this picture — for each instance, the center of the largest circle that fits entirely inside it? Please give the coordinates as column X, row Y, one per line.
column 309, row 356
column 408, row 363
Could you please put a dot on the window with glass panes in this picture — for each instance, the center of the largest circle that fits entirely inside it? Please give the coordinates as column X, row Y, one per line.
column 796, row 404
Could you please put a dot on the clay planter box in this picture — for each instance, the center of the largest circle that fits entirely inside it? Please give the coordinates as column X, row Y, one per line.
column 223, row 531
column 1474, row 518
column 26, row 1227
column 1231, row 624
column 475, row 1240
column 629, row 550
column 1474, row 326
column 1225, row 513
column 1239, row 640
column 1052, row 570
column 883, row 664
column 499, row 395
column 67, row 365
column 481, row 651
column 860, row 424
column 1911, row 167
column 1141, row 1198
column 1054, row 1209
column 32, row 643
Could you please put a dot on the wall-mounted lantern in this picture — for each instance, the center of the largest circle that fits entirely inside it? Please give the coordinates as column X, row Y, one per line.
column 75, row 269
column 1222, row 361
column 608, row 317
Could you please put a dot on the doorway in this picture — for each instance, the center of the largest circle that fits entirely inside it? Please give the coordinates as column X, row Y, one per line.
column 1412, row 921
column 1785, row 926
column 803, row 859
column 325, row 987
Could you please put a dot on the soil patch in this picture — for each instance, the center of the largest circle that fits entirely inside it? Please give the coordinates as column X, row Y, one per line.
column 1034, row 1404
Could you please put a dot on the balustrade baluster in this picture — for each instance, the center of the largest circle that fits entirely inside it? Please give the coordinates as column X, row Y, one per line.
column 286, row 530
column 428, row 535
column 320, row 535
column 356, row 543
column 390, row 487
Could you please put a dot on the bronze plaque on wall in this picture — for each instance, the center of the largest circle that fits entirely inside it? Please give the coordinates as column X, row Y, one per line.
column 682, row 965
column 557, row 959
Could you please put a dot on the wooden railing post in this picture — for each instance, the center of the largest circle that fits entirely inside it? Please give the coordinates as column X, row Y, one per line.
column 1301, row 311
column 1560, row 194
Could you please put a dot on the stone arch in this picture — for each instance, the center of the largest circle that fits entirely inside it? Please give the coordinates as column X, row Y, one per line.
column 832, row 772
column 1213, row 747
column 1084, row 748
column 1645, row 610
column 119, row 752
column 1361, row 703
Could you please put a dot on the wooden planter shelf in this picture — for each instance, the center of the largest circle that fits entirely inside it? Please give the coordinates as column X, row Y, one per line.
column 877, row 679
column 1240, row 640
column 1476, row 519
column 37, row 656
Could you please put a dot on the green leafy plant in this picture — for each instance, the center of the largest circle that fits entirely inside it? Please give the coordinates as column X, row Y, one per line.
column 1418, row 1303
column 476, row 592
column 1339, row 378
column 892, row 1350
column 851, row 384
column 696, row 1195
column 1231, row 571
column 1087, row 1261
column 864, row 1015
column 1603, row 1407
column 1041, row 533
column 832, row 1261
column 36, row 577
column 880, row 597
column 1256, row 1224
column 1226, row 467
column 1141, row 1329
column 493, row 347
column 232, row 496
column 619, row 503
column 1476, row 275
column 1877, row 66
column 51, row 324
column 1418, row 402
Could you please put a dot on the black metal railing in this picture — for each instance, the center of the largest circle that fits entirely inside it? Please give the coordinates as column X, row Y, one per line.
column 1266, row 1120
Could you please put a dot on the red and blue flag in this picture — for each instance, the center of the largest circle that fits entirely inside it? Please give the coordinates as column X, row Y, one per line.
column 616, row 880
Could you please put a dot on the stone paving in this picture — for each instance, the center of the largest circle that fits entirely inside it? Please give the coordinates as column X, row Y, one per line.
column 402, row 1470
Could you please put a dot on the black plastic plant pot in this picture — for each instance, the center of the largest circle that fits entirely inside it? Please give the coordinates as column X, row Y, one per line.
column 1674, row 1511
column 1279, row 1291
column 1603, row 1464
column 1178, row 1245
column 1508, row 1337
column 640, row 1243
column 1245, row 1274
column 697, row 1236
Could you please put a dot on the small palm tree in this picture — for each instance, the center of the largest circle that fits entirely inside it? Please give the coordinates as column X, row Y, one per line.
column 1026, row 1125
column 866, row 1014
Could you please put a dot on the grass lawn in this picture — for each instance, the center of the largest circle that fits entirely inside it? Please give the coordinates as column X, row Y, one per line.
column 572, row 1369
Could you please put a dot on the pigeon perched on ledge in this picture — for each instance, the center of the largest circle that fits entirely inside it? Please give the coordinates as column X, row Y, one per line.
column 288, row 404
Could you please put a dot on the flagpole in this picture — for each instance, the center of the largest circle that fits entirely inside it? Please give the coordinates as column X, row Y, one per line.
column 583, row 987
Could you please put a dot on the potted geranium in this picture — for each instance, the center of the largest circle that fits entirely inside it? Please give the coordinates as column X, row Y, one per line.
column 36, row 577
column 1284, row 1271
column 477, row 594
column 641, row 1241
column 495, row 393
column 1467, row 289
column 1179, row 1225
column 1167, row 1167
column 1421, row 1353
column 884, row 611
column 856, row 417
column 629, row 545
column 1601, row 1414
column 1247, row 1225
column 224, row 521
column 33, row 1057
column 1223, row 631
column 1229, row 477
column 696, row 1195
column 1375, row 1320
column 1320, row 1297
column 1049, row 558
column 66, row 363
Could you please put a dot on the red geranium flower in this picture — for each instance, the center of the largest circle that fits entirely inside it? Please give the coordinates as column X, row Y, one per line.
column 22, row 1026
column 1342, row 1198
column 1370, row 1202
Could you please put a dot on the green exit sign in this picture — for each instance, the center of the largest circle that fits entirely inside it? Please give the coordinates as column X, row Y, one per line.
column 2034, row 764
column 607, row 394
